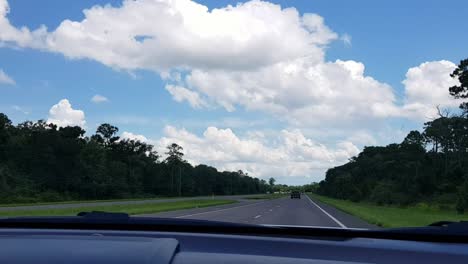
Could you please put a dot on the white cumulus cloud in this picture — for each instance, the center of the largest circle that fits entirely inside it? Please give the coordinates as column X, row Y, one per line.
column 426, row 87
column 132, row 136
column 99, row 99
column 161, row 35
column 5, row 79
column 292, row 155
column 62, row 114
column 22, row 37
column 181, row 94
column 301, row 90
column 255, row 55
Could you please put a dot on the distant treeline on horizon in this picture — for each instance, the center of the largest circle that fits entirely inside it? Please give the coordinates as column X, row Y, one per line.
column 43, row 162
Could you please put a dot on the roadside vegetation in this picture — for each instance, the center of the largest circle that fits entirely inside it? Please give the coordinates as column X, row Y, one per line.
column 40, row 162
column 267, row 196
column 77, row 201
column 428, row 168
column 132, row 209
column 420, row 214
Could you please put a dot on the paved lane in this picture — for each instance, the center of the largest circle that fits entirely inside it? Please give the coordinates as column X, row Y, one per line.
column 283, row 211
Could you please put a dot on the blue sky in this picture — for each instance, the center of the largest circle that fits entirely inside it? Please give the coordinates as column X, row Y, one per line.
column 387, row 38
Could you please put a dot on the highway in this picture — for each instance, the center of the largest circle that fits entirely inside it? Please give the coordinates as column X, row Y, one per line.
column 282, row 211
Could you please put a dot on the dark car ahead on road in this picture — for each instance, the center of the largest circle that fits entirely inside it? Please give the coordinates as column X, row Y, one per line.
column 295, row 195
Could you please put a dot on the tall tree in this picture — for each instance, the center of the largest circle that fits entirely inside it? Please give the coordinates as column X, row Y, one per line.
column 105, row 134
column 272, row 181
column 414, row 138
column 174, row 153
column 5, row 125
column 461, row 91
column 175, row 160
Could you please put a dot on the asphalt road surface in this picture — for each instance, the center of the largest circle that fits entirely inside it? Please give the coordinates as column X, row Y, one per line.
column 282, row 211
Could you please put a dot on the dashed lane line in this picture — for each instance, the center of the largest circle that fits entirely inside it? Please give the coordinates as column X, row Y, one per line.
column 220, row 210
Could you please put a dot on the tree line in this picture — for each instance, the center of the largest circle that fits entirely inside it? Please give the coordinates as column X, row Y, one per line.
column 428, row 166
column 40, row 161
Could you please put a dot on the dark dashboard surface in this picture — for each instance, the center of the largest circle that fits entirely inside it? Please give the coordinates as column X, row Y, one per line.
column 94, row 246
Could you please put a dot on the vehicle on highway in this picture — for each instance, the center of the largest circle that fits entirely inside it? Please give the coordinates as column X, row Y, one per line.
column 295, row 195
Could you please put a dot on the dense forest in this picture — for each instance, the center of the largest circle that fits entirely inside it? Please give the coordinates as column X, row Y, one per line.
column 43, row 162
column 428, row 166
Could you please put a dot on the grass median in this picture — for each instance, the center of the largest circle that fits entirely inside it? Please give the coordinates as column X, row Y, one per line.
column 267, row 196
column 392, row 216
column 132, row 209
column 84, row 201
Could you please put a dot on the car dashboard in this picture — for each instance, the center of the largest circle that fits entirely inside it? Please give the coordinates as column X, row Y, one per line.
column 19, row 245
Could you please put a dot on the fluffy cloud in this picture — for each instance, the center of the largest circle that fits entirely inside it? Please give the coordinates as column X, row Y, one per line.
column 131, row 136
column 99, row 99
column 21, row 37
column 362, row 137
column 255, row 55
column 5, row 79
column 304, row 91
column 426, row 87
column 161, row 35
column 181, row 94
column 62, row 114
column 293, row 154
column 337, row 92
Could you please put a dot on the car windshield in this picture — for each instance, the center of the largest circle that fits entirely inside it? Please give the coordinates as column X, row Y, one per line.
column 336, row 114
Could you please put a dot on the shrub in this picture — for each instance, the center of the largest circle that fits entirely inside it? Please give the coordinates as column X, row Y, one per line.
column 50, row 196
column 462, row 201
column 446, row 198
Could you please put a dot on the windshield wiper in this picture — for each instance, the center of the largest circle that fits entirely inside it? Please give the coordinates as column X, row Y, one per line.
column 460, row 228
column 102, row 214
column 442, row 223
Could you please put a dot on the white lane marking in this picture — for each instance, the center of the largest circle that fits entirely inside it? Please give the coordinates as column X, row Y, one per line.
column 220, row 210
column 258, row 216
column 271, row 210
column 325, row 212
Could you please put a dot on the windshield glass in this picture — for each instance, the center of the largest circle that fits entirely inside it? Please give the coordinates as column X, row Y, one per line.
column 337, row 114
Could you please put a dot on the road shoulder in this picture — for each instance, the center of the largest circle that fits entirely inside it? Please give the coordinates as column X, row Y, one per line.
column 350, row 221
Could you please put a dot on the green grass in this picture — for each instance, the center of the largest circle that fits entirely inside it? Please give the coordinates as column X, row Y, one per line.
column 127, row 208
column 84, row 201
column 267, row 196
column 390, row 216
column 97, row 201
